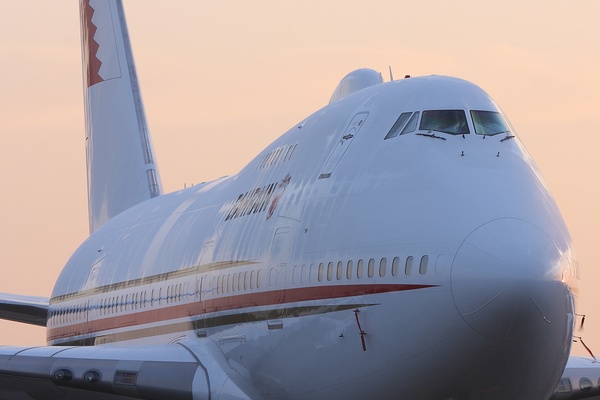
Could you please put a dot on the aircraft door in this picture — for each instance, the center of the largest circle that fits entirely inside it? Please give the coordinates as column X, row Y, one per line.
column 201, row 292
column 276, row 275
column 344, row 143
column 203, row 287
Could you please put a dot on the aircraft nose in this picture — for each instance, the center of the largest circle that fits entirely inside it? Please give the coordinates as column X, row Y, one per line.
column 504, row 280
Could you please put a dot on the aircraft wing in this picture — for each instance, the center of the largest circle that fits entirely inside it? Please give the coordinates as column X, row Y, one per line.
column 580, row 380
column 27, row 309
column 109, row 372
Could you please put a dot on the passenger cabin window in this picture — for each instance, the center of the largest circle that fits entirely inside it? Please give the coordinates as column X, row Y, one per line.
column 423, row 265
column 382, row 267
column 408, row 265
column 359, row 269
column 349, row 270
column 453, row 122
column 395, row 265
column 489, row 123
column 371, row 268
column 258, row 279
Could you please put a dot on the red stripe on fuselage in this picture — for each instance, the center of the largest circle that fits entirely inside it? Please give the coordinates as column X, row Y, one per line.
column 241, row 301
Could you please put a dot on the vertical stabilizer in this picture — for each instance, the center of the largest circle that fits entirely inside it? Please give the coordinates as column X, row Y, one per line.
column 121, row 167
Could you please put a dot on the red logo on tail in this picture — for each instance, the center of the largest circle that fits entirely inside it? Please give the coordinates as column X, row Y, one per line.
column 90, row 46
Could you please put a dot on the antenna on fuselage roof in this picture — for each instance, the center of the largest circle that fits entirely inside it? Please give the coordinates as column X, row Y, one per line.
column 391, row 75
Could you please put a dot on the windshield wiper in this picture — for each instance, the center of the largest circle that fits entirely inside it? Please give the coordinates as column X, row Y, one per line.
column 431, row 135
column 507, row 136
column 493, row 134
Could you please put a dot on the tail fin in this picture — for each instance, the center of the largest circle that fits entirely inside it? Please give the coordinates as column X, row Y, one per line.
column 120, row 161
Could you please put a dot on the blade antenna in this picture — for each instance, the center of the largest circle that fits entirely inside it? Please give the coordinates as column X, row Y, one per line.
column 582, row 320
column 360, row 330
column 391, row 74
column 586, row 347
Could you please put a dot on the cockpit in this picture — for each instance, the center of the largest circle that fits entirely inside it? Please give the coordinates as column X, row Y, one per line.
column 450, row 122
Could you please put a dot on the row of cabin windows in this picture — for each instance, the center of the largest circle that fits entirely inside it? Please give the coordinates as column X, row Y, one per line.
column 123, row 303
column 238, row 282
column 242, row 281
column 250, row 280
column 173, row 294
column 278, row 155
column 67, row 314
column 349, row 270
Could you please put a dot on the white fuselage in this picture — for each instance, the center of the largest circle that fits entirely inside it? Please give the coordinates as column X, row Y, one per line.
column 338, row 264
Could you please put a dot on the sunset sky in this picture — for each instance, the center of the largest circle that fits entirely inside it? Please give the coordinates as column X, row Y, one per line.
column 222, row 79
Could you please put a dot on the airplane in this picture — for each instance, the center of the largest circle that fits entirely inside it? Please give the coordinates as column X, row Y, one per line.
column 400, row 242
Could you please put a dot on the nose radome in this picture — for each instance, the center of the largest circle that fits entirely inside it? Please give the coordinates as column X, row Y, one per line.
column 504, row 280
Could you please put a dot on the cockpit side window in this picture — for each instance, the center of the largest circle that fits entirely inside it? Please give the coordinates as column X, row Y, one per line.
column 399, row 124
column 489, row 123
column 411, row 126
column 453, row 122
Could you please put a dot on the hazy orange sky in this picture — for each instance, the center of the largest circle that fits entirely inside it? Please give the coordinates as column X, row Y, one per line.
column 222, row 79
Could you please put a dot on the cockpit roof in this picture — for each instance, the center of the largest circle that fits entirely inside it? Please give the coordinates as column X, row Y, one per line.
column 444, row 92
column 433, row 92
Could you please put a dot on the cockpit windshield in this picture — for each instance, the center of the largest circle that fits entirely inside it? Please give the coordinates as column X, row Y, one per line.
column 453, row 122
column 489, row 123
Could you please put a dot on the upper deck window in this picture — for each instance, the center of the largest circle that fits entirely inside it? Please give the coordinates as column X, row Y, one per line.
column 489, row 123
column 453, row 122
